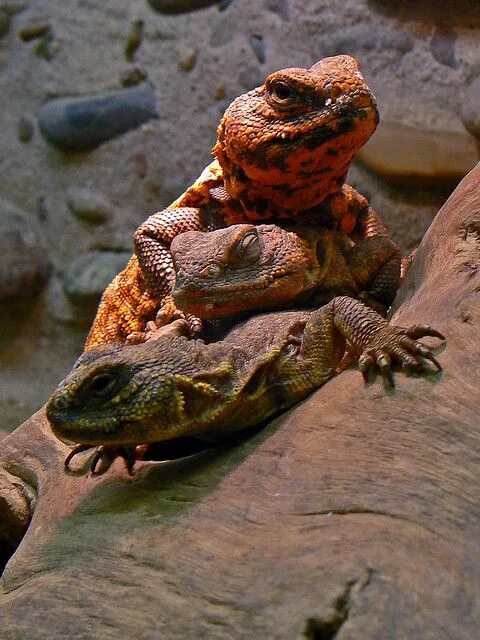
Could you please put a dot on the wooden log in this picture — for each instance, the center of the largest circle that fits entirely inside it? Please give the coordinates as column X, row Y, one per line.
column 356, row 515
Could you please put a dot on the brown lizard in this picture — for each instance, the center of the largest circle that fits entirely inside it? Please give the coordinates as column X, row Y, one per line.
column 249, row 267
column 120, row 396
column 283, row 152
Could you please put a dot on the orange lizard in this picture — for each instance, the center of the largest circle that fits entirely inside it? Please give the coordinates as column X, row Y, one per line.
column 283, row 152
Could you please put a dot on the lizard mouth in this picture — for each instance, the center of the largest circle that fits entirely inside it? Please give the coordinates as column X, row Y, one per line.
column 339, row 124
column 79, row 434
column 222, row 301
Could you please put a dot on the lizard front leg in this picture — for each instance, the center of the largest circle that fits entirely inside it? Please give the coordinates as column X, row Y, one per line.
column 354, row 215
column 152, row 248
column 375, row 266
column 380, row 343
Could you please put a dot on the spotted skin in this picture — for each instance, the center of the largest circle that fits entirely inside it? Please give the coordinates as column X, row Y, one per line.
column 283, row 152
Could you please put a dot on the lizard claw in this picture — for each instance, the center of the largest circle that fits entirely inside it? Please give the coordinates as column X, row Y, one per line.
column 398, row 344
column 101, row 453
column 169, row 312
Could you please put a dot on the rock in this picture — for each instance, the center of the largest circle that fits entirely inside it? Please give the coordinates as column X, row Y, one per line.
column 134, row 39
column 449, row 12
column 401, row 151
column 140, row 163
column 224, row 32
column 86, row 277
column 250, row 76
column 34, row 31
column 88, row 205
column 443, row 45
column 257, row 45
column 83, row 123
column 280, row 7
column 188, row 60
column 363, row 39
column 470, row 109
column 183, row 6
column 47, row 46
column 25, row 129
column 220, row 92
column 132, row 77
column 13, row 7
column 24, row 264
column 42, row 209
column 5, row 21
column 354, row 515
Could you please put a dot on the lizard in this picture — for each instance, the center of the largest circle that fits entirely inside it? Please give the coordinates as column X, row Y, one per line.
column 282, row 152
column 248, row 267
column 120, row 396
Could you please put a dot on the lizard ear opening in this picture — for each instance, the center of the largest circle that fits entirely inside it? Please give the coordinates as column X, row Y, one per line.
column 259, row 380
column 198, row 397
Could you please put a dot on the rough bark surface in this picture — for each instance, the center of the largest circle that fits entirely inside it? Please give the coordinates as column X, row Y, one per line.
column 355, row 515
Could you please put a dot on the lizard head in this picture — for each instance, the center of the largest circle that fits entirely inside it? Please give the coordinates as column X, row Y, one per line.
column 123, row 395
column 240, row 268
column 287, row 145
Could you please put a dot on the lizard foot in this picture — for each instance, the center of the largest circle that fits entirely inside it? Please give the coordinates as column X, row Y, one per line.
column 401, row 345
column 169, row 312
column 103, row 453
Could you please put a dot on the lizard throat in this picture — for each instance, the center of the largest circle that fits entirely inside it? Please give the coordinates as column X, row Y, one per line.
column 284, row 176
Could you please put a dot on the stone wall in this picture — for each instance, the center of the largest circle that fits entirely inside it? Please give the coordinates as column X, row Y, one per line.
column 110, row 111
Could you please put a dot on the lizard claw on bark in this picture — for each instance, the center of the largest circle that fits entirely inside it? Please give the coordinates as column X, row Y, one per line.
column 108, row 454
column 398, row 344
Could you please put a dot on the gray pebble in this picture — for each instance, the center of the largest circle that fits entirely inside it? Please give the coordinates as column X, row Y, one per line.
column 133, row 76
column 4, row 23
column 280, row 7
column 83, row 123
column 443, row 45
column 88, row 205
column 24, row 267
column 34, row 31
column 188, row 59
column 250, row 76
column 257, row 45
column 470, row 109
column 88, row 275
column 183, row 6
column 13, row 6
column 42, row 208
column 362, row 39
column 224, row 32
column 25, row 129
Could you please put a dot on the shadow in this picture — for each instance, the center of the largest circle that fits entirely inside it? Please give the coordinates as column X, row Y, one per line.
column 175, row 479
column 411, row 189
column 16, row 315
column 465, row 13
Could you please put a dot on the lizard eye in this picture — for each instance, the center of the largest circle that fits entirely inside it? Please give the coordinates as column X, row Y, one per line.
column 280, row 95
column 247, row 249
column 102, row 384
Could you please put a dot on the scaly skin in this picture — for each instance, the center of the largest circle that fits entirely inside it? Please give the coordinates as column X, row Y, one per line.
column 283, row 151
column 262, row 267
column 122, row 396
